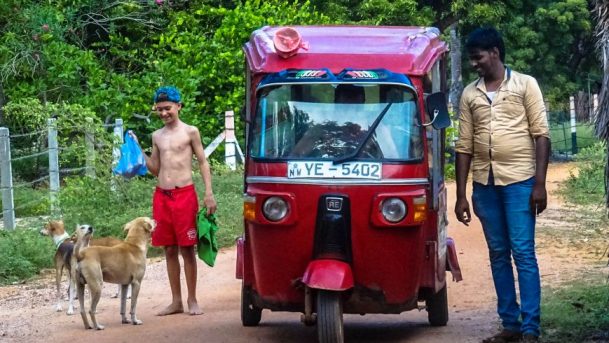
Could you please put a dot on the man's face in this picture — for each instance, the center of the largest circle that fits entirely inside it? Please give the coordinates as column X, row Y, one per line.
column 168, row 111
column 483, row 61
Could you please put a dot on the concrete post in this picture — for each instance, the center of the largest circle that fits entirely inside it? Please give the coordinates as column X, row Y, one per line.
column 6, row 180
column 90, row 148
column 229, row 147
column 53, row 165
column 573, row 126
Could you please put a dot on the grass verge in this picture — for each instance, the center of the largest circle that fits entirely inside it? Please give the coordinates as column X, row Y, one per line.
column 107, row 204
column 576, row 312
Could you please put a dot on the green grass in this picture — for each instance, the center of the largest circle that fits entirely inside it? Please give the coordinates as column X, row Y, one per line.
column 587, row 188
column 576, row 312
column 23, row 252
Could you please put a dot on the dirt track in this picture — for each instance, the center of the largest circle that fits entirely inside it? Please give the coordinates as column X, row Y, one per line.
column 27, row 311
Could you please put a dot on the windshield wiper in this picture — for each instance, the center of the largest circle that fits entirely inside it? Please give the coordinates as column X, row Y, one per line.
column 371, row 130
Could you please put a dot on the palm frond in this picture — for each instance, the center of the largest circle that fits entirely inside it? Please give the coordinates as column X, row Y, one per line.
column 601, row 12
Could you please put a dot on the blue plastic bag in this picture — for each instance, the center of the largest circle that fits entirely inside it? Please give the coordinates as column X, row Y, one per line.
column 132, row 160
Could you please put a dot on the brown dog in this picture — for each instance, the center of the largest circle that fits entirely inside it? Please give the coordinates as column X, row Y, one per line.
column 64, row 258
column 123, row 264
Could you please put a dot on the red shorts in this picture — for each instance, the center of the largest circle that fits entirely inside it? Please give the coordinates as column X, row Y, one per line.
column 175, row 213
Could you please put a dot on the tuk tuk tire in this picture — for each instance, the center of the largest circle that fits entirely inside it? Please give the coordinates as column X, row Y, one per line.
column 437, row 308
column 250, row 313
column 329, row 317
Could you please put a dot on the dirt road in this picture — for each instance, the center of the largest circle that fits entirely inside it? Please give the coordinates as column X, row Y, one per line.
column 27, row 311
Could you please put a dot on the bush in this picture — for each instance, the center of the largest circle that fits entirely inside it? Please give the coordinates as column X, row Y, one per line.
column 588, row 186
column 106, row 203
column 22, row 254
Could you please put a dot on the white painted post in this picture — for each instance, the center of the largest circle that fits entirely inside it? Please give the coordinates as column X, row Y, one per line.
column 6, row 180
column 573, row 126
column 229, row 147
column 90, row 147
column 594, row 107
column 118, row 132
column 53, row 165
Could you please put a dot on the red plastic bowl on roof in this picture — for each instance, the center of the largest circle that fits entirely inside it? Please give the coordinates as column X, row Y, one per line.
column 287, row 41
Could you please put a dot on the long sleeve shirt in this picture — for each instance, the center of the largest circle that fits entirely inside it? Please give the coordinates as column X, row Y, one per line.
column 499, row 134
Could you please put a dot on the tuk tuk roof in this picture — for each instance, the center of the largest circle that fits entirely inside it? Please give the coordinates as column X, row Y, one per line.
column 407, row 50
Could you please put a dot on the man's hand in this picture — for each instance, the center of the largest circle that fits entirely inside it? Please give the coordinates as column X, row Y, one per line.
column 539, row 199
column 210, row 203
column 462, row 211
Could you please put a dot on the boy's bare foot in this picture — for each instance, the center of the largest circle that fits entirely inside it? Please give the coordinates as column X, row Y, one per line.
column 171, row 309
column 193, row 308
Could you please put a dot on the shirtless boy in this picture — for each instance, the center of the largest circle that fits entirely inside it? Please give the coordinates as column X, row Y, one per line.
column 175, row 203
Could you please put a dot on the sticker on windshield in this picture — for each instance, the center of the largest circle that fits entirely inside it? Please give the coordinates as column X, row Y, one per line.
column 310, row 74
column 329, row 170
column 362, row 74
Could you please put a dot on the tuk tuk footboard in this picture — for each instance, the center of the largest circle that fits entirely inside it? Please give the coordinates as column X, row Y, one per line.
column 366, row 300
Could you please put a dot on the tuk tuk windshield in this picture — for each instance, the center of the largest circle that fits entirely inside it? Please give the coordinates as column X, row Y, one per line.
column 332, row 121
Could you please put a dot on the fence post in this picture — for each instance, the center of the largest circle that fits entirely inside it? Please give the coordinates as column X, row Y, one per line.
column 573, row 126
column 229, row 147
column 118, row 132
column 594, row 107
column 90, row 147
column 53, row 165
column 6, row 180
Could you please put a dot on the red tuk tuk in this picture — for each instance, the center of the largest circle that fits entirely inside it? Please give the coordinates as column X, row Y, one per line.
column 344, row 204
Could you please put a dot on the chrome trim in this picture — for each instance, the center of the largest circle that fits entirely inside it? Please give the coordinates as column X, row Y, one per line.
column 330, row 182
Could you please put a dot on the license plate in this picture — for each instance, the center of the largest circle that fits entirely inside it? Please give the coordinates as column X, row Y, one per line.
column 326, row 169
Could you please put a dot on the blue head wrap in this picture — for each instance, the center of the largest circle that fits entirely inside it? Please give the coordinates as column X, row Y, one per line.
column 167, row 93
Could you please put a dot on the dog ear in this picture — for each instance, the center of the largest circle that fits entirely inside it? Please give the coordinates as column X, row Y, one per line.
column 127, row 227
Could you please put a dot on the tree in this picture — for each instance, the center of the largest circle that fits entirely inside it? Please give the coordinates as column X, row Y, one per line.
column 601, row 11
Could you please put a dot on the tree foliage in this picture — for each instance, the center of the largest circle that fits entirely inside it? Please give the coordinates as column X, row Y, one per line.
column 108, row 55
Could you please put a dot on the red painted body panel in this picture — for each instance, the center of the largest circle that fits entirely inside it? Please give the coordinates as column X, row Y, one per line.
column 406, row 50
column 390, row 263
column 331, row 275
column 384, row 258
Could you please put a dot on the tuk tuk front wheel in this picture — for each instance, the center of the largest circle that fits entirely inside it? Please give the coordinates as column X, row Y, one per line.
column 437, row 308
column 329, row 317
column 250, row 313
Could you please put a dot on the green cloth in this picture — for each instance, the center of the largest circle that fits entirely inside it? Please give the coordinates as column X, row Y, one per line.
column 207, row 247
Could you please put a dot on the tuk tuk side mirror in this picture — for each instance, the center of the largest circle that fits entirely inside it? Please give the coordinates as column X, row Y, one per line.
column 437, row 109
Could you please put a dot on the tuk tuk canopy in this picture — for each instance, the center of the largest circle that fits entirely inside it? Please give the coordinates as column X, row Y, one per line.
column 406, row 50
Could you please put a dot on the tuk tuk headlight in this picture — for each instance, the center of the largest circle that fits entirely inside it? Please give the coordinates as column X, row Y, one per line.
column 275, row 209
column 393, row 209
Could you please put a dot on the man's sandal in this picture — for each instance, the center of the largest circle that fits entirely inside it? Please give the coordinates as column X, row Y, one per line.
column 503, row 337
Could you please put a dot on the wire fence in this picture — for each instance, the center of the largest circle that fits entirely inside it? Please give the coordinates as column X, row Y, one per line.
column 569, row 136
column 34, row 162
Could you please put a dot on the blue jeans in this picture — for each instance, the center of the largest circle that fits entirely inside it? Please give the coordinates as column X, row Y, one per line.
column 509, row 228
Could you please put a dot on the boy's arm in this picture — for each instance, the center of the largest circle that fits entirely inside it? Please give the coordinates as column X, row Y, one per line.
column 204, row 169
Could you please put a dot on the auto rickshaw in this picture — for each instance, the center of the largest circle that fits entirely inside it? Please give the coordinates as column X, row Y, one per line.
column 344, row 197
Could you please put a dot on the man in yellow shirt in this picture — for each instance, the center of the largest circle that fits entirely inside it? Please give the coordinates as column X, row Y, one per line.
column 503, row 134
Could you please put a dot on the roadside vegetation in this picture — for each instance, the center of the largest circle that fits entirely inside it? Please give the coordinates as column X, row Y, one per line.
column 576, row 311
column 24, row 252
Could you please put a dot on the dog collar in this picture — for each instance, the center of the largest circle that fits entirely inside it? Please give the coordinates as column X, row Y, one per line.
column 60, row 239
